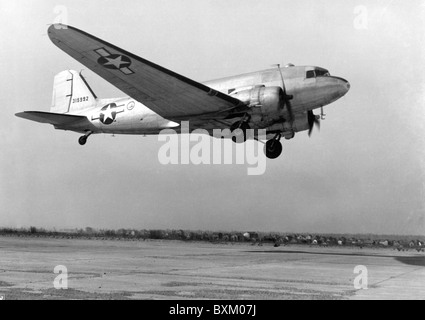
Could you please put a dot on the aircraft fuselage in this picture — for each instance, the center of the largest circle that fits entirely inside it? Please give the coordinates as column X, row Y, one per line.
column 311, row 88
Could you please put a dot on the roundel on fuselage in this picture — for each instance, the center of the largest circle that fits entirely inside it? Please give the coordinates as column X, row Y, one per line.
column 108, row 114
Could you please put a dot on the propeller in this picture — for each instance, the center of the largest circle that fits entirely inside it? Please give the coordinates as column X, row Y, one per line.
column 286, row 98
column 312, row 120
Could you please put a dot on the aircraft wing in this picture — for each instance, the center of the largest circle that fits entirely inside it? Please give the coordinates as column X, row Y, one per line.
column 165, row 92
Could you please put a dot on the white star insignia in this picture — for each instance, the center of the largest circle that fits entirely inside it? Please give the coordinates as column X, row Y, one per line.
column 107, row 114
column 117, row 62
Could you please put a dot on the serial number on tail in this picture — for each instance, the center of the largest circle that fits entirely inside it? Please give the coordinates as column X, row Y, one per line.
column 80, row 99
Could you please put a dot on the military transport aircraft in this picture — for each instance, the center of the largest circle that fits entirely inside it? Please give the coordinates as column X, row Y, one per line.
column 279, row 100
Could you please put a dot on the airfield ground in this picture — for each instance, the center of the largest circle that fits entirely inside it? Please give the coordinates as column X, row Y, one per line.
column 198, row 270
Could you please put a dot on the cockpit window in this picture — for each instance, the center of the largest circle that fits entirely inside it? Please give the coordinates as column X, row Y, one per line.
column 317, row 73
column 322, row 73
column 310, row 74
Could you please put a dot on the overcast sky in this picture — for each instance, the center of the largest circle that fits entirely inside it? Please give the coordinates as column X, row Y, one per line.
column 362, row 173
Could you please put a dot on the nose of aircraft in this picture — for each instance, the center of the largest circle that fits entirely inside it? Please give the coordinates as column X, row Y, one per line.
column 344, row 86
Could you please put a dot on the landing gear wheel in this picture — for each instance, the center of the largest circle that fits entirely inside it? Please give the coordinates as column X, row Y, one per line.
column 238, row 138
column 82, row 140
column 273, row 149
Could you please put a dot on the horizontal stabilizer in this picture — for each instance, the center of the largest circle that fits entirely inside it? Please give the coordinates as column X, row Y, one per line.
column 55, row 119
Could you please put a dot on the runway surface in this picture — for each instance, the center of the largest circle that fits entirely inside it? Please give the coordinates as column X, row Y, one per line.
column 197, row 270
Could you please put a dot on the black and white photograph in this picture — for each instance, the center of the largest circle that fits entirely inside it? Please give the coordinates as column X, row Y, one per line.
column 212, row 155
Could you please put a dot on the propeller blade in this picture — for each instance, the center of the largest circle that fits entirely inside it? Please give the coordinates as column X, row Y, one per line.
column 287, row 98
column 312, row 120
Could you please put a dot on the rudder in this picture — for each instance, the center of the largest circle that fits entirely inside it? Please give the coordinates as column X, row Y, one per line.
column 71, row 93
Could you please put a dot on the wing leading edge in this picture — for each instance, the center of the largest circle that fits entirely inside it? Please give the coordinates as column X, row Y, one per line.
column 165, row 92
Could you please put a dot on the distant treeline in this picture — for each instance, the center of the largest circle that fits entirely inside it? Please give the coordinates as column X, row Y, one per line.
column 360, row 240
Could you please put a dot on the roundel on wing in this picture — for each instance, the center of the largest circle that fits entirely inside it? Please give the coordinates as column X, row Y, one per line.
column 115, row 61
column 108, row 114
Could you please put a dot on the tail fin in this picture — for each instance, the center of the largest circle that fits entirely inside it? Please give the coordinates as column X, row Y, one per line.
column 71, row 93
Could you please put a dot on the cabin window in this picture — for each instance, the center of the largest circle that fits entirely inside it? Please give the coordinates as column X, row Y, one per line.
column 310, row 74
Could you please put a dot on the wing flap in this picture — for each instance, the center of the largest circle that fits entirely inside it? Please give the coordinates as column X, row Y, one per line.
column 167, row 93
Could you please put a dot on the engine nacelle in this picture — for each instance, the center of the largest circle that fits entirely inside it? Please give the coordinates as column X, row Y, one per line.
column 267, row 102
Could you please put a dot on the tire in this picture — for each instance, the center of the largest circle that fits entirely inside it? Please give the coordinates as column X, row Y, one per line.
column 82, row 140
column 273, row 149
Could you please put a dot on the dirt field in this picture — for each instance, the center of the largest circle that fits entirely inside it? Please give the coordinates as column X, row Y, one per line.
column 199, row 270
